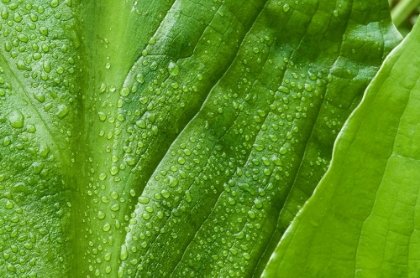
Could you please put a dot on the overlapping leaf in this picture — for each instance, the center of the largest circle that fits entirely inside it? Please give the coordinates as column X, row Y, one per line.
column 363, row 218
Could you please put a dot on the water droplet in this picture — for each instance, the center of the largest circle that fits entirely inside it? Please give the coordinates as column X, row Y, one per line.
column 188, row 196
column 37, row 167
column 140, row 78
column 258, row 203
column 31, row 128
column 43, row 31
column 173, row 69
column 106, row 227
column 283, row 150
column 173, row 181
column 130, row 160
column 9, row 204
column 47, row 66
column 143, row 200
column 23, row 38
column 124, row 92
column 124, row 252
column 54, row 3
column 16, row 119
column 152, row 41
column 6, row 141
column 276, row 160
column 39, row 96
column 284, row 89
column 120, row 272
column 146, row 215
column 17, row 17
column 258, row 147
column 314, row 223
column 286, row 8
column 101, row 215
column 181, row 160
column 154, row 65
column 62, row 111
column 115, row 207
column 107, row 256
column 308, row 87
column 114, row 195
column 5, row 14
column 114, row 170
column 165, row 193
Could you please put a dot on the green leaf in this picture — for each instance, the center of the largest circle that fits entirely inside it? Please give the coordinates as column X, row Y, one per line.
column 362, row 220
column 170, row 138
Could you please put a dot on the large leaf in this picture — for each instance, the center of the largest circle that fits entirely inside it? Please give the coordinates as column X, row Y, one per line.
column 363, row 219
column 156, row 138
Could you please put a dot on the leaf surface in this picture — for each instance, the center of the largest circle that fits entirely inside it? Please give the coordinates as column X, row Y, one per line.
column 170, row 138
column 363, row 218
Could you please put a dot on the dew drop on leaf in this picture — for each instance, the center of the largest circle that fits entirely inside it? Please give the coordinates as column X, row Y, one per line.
column 108, row 269
column 16, row 119
column 173, row 69
column 124, row 252
column 143, row 200
column 114, row 195
column 101, row 215
column 115, row 207
column 181, row 160
column 62, row 111
column 9, row 204
column 54, row 3
column 106, row 227
column 124, row 92
column 114, row 170
column 152, row 41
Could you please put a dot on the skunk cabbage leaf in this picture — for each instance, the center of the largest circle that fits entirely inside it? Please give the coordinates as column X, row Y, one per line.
column 170, row 138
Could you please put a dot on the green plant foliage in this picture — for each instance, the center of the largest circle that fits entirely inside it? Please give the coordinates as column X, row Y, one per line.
column 363, row 218
column 171, row 138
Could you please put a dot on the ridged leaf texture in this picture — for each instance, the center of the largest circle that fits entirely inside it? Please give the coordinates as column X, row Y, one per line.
column 170, row 138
